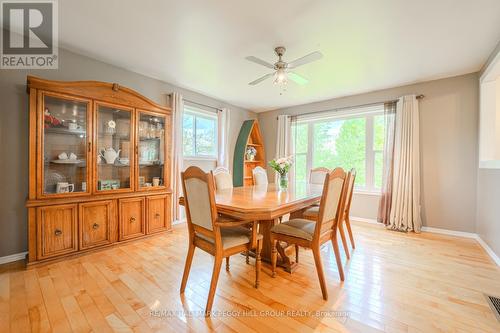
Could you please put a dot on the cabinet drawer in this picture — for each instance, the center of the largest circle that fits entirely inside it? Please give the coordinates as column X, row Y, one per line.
column 158, row 213
column 97, row 220
column 132, row 218
column 56, row 230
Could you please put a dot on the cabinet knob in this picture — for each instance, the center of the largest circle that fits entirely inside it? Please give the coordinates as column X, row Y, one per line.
column 95, row 226
column 58, row 232
column 132, row 219
column 157, row 215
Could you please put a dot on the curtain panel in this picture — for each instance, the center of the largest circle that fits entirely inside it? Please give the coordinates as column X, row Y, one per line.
column 223, row 123
column 405, row 201
column 177, row 103
column 284, row 146
column 384, row 208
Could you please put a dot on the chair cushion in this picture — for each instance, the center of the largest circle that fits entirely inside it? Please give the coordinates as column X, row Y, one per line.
column 300, row 228
column 232, row 236
column 312, row 211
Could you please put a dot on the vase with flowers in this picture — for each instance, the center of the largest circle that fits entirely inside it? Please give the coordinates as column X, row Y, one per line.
column 251, row 152
column 282, row 167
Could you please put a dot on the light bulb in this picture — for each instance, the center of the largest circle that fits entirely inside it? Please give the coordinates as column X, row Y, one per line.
column 280, row 76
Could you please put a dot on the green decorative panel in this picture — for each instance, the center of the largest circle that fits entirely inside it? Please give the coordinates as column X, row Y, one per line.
column 239, row 152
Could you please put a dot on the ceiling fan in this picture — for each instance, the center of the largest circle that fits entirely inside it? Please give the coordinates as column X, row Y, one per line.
column 282, row 69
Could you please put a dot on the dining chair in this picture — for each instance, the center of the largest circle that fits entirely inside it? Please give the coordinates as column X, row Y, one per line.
column 312, row 214
column 219, row 236
column 223, row 179
column 259, row 176
column 312, row 234
column 317, row 175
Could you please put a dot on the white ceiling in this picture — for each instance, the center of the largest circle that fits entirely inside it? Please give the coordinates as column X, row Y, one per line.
column 201, row 45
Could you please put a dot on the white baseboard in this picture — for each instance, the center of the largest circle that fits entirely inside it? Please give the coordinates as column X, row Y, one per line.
column 179, row 221
column 488, row 250
column 450, row 232
column 13, row 257
column 365, row 220
column 464, row 234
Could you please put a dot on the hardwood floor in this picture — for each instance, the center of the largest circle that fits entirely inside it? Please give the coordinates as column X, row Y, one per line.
column 394, row 283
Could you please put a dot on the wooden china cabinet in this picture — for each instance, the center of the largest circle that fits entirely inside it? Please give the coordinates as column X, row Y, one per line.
column 99, row 170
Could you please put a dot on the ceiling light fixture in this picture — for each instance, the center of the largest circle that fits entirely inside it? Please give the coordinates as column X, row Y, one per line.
column 280, row 76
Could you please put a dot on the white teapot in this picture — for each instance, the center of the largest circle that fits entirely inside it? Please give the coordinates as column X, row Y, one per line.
column 110, row 155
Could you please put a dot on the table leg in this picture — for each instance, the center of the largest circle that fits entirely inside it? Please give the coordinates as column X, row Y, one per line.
column 284, row 259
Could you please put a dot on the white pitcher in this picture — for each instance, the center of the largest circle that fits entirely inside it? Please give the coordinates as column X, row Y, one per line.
column 110, row 155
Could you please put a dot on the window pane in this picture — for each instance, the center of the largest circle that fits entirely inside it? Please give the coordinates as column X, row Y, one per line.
column 341, row 143
column 378, row 132
column 379, row 165
column 187, row 134
column 300, row 167
column 299, row 134
column 206, row 138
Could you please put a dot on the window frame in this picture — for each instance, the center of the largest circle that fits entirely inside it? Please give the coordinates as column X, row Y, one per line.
column 196, row 112
column 370, row 151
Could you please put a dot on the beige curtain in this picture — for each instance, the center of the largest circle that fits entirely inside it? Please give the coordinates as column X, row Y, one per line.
column 384, row 208
column 223, row 137
column 283, row 139
column 405, row 201
column 177, row 103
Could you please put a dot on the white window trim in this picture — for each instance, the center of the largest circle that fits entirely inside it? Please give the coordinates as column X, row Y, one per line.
column 369, row 114
column 195, row 111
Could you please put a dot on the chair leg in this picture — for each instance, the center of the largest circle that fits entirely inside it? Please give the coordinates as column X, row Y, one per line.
column 297, row 254
column 187, row 266
column 227, row 264
column 349, row 231
column 337, row 257
column 344, row 241
column 274, row 256
column 248, row 257
column 319, row 269
column 213, row 285
column 257, row 263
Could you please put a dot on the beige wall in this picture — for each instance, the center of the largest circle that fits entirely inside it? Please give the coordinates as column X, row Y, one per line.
column 14, row 130
column 448, row 124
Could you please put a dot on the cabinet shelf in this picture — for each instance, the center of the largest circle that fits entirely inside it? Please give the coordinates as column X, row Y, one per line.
column 63, row 130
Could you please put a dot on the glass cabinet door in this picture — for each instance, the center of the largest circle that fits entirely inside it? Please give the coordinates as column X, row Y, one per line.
column 65, row 145
column 114, row 148
column 151, row 150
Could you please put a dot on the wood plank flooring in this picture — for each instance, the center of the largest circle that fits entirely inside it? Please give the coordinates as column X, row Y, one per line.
column 394, row 283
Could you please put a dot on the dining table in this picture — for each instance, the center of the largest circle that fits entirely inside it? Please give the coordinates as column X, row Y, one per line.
column 267, row 204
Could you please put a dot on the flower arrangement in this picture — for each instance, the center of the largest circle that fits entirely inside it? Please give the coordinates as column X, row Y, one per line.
column 251, row 152
column 282, row 166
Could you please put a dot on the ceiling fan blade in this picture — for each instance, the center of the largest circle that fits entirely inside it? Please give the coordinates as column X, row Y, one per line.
column 260, row 62
column 299, row 79
column 306, row 59
column 259, row 80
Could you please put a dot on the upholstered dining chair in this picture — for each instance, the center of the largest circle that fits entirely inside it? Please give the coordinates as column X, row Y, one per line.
column 312, row 214
column 312, row 234
column 223, row 179
column 317, row 175
column 221, row 237
column 259, row 176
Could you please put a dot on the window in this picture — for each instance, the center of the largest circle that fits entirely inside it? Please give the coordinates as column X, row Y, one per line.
column 348, row 139
column 199, row 133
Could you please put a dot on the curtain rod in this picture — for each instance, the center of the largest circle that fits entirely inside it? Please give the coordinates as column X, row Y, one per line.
column 356, row 106
column 200, row 104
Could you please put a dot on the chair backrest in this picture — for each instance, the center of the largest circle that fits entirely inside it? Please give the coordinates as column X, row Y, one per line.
column 223, row 179
column 332, row 201
column 199, row 196
column 350, row 190
column 317, row 175
column 259, row 176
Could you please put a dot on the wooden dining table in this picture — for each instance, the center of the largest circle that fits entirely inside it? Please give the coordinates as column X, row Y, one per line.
column 267, row 204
